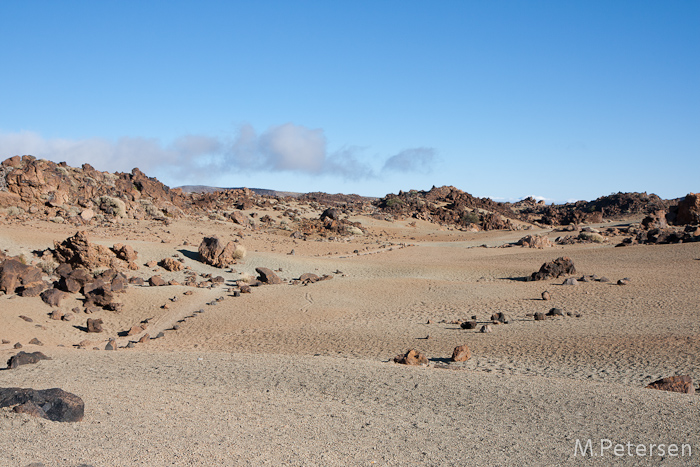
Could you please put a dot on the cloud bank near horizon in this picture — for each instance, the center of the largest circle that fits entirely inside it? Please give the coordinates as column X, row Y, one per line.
column 284, row 148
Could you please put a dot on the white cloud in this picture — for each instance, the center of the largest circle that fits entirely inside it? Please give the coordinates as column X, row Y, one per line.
column 198, row 158
column 411, row 160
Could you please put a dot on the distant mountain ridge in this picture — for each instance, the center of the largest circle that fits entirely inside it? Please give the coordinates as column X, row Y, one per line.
column 257, row 191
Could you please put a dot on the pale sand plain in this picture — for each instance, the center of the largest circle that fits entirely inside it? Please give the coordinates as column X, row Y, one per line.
column 302, row 375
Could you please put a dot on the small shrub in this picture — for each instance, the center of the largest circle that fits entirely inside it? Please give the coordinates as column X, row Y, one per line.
column 48, row 266
column 390, row 203
column 239, row 252
column 245, row 277
column 470, row 218
column 112, row 206
column 15, row 211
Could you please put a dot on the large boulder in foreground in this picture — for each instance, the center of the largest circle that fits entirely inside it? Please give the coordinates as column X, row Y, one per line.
column 53, row 404
column 562, row 266
column 681, row 383
column 212, row 251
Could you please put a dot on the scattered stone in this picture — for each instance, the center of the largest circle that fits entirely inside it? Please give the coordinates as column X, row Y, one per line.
column 94, row 325
column 461, row 353
column 160, row 334
column 125, row 252
column 546, row 295
column 412, row 357
column 18, row 345
column 26, row 318
column 555, row 312
column 246, row 289
column 623, row 282
column 52, row 297
column 539, row 316
column 56, row 315
column 171, row 264
column 135, row 330
column 156, row 281
column 130, row 345
column 535, row 241
column 486, row 328
column 151, row 264
column 35, row 341
column 469, row 324
column 501, row 318
column 25, row 358
column 5, row 341
column 136, row 281
column 56, row 404
column 570, row 281
column 680, row 383
column 267, row 276
column 189, row 292
column 603, row 279
column 111, row 345
column 67, row 317
column 236, row 293
column 144, row 338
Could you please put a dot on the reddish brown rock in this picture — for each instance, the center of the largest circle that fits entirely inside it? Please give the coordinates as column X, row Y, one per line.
column 56, row 315
column 681, row 383
column 461, row 353
column 535, row 241
column 125, row 252
column 267, row 276
column 52, row 297
column 14, row 274
column 309, row 278
column 98, row 293
column 562, row 266
column 78, row 251
column 212, row 251
column 33, row 289
column 689, row 209
column 135, row 330
column 94, row 325
column 171, row 264
column 156, row 281
column 238, row 218
column 412, row 357
column 144, row 338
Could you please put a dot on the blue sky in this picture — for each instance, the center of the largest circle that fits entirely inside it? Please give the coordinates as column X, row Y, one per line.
column 560, row 100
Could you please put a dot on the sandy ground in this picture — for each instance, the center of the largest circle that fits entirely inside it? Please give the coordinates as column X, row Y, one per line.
column 302, row 375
